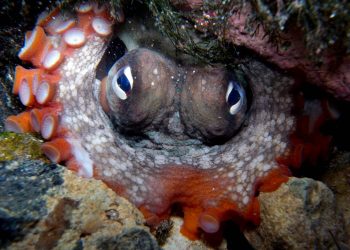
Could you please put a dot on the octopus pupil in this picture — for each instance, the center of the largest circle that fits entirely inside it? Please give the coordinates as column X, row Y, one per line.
column 123, row 83
column 233, row 97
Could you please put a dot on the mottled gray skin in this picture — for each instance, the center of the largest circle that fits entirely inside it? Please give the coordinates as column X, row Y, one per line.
column 136, row 165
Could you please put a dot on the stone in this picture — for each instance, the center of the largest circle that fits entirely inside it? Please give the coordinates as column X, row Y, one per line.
column 177, row 241
column 45, row 206
column 337, row 178
column 301, row 214
column 133, row 238
column 327, row 69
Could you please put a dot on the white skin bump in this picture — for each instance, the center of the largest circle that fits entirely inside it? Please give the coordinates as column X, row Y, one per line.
column 42, row 92
column 63, row 26
column 28, row 43
column 74, row 37
column 51, row 58
column 101, row 26
column 24, row 92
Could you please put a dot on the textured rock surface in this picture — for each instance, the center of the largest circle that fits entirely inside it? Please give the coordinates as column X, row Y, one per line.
column 301, row 214
column 14, row 146
column 9, row 105
column 44, row 206
column 177, row 241
column 331, row 75
column 337, row 178
column 328, row 70
column 133, row 238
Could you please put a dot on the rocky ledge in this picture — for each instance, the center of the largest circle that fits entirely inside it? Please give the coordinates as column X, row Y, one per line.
column 44, row 206
column 301, row 214
column 275, row 31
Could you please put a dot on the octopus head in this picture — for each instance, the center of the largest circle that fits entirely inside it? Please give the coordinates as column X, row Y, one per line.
column 144, row 90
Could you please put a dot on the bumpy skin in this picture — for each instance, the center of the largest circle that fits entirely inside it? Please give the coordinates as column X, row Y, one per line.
column 211, row 183
column 208, row 181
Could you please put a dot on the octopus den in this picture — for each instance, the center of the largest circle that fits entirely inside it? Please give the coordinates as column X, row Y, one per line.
column 118, row 96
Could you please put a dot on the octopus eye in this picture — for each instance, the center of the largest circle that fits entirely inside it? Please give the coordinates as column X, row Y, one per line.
column 235, row 97
column 138, row 91
column 208, row 95
column 123, row 82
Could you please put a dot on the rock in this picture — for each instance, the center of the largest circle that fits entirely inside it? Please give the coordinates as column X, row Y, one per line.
column 301, row 214
column 327, row 69
column 177, row 241
column 337, row 178
column 9, row 104
column 335, row 80
column 25, row 146
column 133, row 238
column 45, row 206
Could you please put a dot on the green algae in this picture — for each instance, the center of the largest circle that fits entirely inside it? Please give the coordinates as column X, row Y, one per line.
column 15, row 146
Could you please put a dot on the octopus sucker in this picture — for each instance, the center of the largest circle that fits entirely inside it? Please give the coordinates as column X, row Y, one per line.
column 157, row 132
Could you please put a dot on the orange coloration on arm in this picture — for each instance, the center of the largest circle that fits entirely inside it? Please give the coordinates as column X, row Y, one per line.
column 35, row 51
column 27, row 74
column 84, row 22
column 274, row 179
column 19, row 123
column 202, row 201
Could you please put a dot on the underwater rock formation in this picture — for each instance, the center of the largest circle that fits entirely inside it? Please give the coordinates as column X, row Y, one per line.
column 300, row 205
column 284, row 37
column 45, row 206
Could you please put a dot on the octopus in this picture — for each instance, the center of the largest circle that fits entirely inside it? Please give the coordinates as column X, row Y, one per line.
column 159, row 132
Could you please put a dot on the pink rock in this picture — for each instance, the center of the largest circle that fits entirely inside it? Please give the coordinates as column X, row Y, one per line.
column 333, row 74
